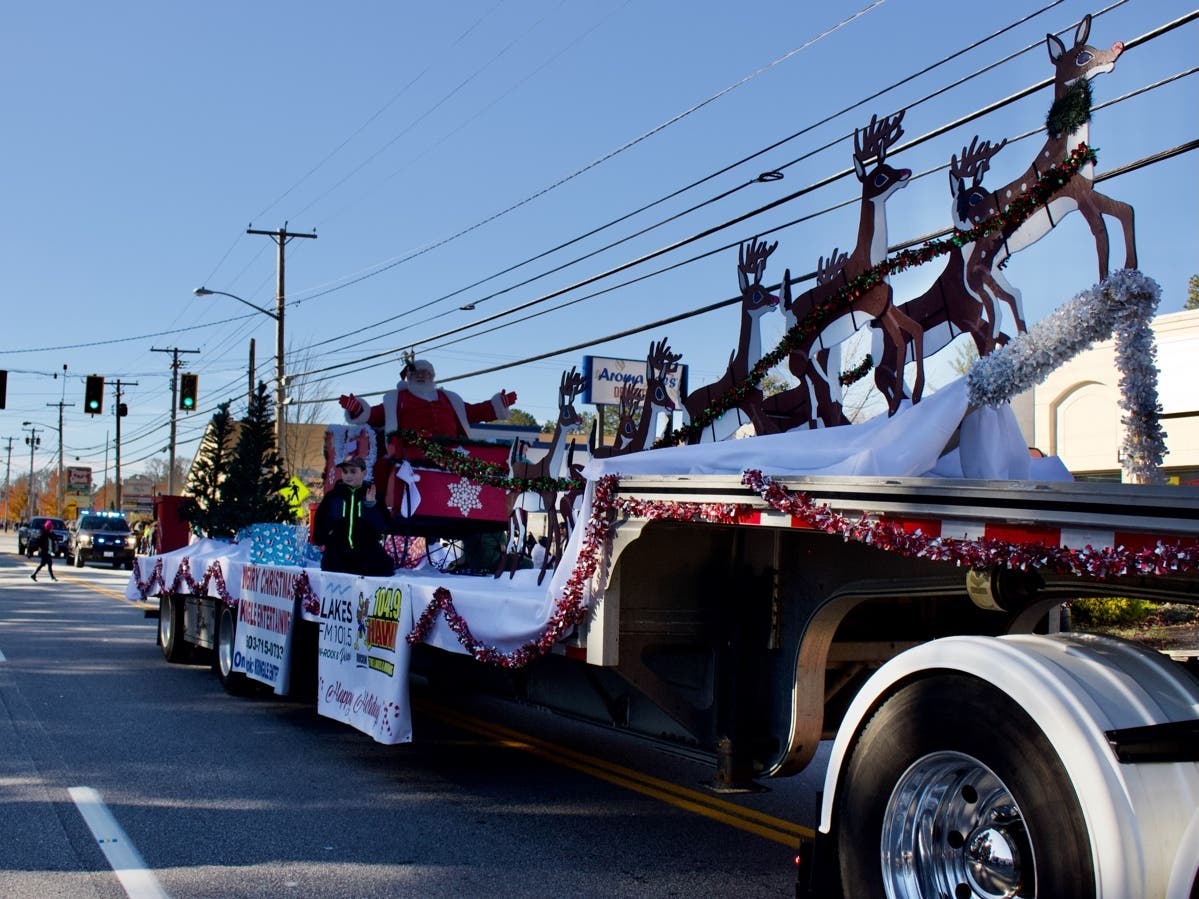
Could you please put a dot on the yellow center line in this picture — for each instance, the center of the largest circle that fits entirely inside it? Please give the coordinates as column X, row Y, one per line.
column 788, row 833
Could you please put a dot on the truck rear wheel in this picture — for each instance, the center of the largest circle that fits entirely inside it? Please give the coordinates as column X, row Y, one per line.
column 953, row 791
column 226, row 641
column 170, row 628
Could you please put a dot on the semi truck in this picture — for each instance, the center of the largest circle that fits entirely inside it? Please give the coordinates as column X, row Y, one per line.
column 978, row 748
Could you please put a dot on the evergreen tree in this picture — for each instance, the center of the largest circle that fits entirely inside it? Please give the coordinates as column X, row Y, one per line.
column 1192, row 293
column 203, row 509
column 253, row 491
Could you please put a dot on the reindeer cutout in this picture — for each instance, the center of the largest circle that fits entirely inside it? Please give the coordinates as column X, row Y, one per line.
column 1073, row 70
column 626, row 425
column 815, row 369
column 756, row 301
column 547, row 467
column 792, row 408
column 568, row 500
column 959, row 301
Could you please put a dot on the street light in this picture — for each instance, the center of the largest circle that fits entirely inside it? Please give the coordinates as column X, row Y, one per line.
column 277, row 315
column 33, row 442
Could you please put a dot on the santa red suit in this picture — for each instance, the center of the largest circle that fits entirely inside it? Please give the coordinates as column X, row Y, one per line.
column 418, row 404
column 443, row 415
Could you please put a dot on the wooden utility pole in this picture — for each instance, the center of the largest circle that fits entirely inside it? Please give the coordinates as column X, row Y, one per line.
column 174, row 351
column 281, row 237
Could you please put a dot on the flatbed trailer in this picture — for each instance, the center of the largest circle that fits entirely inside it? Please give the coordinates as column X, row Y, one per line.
column 912, row 621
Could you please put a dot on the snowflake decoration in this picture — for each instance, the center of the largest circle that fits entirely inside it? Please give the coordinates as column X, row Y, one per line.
column 464, row 496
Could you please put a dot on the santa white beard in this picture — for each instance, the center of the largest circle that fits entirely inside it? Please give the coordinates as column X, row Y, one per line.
column 427, row 392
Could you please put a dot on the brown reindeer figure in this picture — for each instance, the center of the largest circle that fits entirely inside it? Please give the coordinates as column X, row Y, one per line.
column 959, row 301
column 626, row 424
column 756, row 301
column 566, row 502
column 547, row 467
column 791, row 408
column 817, row 375
column 661, row 365
column 1068, row 125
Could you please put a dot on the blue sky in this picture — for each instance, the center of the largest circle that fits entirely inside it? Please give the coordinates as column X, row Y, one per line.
column 432, row 146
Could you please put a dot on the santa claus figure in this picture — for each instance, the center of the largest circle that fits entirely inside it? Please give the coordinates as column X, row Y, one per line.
column 418, row 404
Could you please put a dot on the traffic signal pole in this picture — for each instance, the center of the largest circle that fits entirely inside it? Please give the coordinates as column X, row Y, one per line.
column 174, row 351
column 116, row 411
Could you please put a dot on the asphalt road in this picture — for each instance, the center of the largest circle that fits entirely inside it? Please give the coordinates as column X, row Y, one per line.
column 216, row 796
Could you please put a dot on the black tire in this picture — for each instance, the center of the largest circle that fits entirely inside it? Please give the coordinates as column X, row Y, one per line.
column 234, row 682
column 128, row 564
column 949, row 781
column 175, row 648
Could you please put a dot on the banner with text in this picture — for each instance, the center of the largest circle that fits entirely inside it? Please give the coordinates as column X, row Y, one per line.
column 262, row 648
column 363, row 663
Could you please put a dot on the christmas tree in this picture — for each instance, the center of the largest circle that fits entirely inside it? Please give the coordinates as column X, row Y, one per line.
column 257, row 476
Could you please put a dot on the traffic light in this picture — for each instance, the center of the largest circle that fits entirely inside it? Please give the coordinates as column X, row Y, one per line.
column 93, row 395
column 122, row 409
column 187, row 392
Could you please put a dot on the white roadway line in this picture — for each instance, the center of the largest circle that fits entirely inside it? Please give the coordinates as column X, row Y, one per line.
column 2, row 659
column 139, row 882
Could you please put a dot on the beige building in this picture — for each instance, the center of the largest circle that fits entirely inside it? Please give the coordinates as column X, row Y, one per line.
column 1076, row 415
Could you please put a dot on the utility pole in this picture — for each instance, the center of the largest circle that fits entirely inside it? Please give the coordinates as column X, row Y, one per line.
column 7, row 472
column 33, row 441
column 59, row 497
column 281, row 237
column 116, row 410
column 174, row 351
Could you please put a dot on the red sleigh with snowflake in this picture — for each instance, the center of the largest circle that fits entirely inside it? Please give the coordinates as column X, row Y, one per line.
column 424, row 499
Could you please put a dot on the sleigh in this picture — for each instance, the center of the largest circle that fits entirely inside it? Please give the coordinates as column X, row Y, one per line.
column 427, row 501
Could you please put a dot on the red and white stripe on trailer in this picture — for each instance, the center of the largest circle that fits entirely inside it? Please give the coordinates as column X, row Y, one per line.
column 1005, row 532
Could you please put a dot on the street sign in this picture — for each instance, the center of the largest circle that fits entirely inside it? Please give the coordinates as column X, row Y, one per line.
column 78, row 481
column 295, row 493
column 605, row 378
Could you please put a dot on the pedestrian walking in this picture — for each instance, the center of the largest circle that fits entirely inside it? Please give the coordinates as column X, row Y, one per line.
column 45, row 547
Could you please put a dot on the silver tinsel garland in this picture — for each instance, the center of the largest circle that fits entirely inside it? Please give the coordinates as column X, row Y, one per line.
column 1122, row 305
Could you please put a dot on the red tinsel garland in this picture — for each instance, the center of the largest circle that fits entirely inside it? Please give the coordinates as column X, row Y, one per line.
column 184, row 578
column 982, row 554
column 571, row 609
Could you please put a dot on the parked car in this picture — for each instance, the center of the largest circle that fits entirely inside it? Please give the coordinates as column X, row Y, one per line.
column 30, row 529
column 102, row 537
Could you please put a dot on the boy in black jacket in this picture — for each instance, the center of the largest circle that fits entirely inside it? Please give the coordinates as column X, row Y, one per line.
column 350, row 525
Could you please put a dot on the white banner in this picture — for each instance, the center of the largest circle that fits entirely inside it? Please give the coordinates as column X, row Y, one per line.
column 262, row 649
column 363, row 654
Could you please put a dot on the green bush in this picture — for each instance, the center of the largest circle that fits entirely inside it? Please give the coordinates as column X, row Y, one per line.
column 1110, row 611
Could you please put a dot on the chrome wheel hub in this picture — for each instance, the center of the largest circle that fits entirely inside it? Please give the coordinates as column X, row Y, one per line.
column 952, row 829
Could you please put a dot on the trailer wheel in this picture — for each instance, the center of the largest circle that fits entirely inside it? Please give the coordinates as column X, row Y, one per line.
column 953, row 791
column 170, row 629
column 233, row 681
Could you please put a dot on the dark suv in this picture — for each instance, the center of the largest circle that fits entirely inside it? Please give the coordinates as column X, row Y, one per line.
column 103, row 537
column 26, row 533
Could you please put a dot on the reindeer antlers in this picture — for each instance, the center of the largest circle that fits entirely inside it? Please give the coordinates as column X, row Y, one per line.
column 976, row 159
column 825, row 272
column 660, row 359
column 571, row 385
column 877, row 138
column 751, row 260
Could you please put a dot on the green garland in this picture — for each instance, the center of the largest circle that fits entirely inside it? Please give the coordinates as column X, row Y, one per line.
column 858, row 372
column 490, row 474
column 1052, row 181
column 1072, row 111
